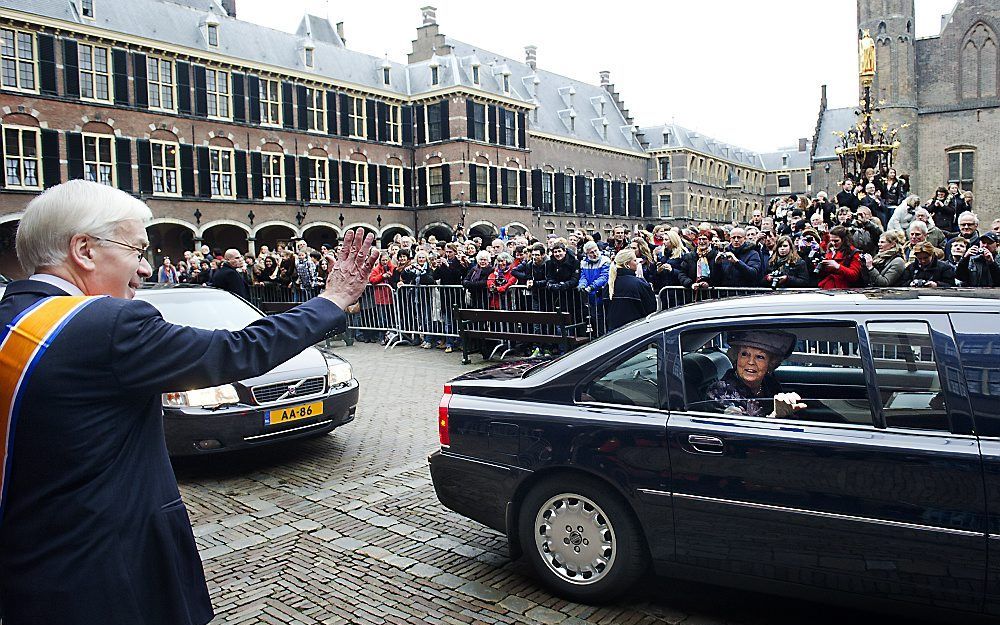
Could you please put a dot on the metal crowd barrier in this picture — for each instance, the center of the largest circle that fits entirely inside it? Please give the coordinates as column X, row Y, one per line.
column 673, row 296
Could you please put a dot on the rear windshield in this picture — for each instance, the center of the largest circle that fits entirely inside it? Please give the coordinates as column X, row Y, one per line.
column 207, row 309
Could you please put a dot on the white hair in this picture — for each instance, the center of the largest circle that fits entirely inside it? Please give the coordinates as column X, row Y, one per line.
column 483, row 254
column 590, row 245
column 66, row 210
column 918, row 225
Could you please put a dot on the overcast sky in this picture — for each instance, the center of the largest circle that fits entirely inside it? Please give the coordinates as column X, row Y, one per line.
column 746, row 73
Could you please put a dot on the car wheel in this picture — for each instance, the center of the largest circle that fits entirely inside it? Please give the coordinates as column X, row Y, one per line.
column 581, row 539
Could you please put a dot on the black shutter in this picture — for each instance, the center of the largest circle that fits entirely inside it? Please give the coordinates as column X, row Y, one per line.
column 383, row 184
column 598, row 196
column 578, row 187
column 421, row 135
column 345, row 120
column 469, row 116
column 407, row 186
column 502, row 121
column 347, row 169
column 522, row 130
column 383, row 121
column 560, row 192
column 473, row 193
column 647, row 201
column 634, row 208
column 51, row 175
column 187, row 170
column 47, row 64
column 373, row 199
column 616, row 204
column 331, row 112
column 253, row 93
column 143, row 156
column 204, row 173
column 183, row 74
column 446, row 181
column 371, row 119
column 305, row 175
column 333, row 169
column 422, row 198
column 74, row 155
column 491, row 122
column 257, row 175
column 239, row 97
column 407, row 125
column 536, row 188
column 287, row 110
column 242, row 190
column 504, row 196
column 200, row 91
column 445, row 119
column 71, row 76
column 119, row 71
column 303, row 116
column 494, row 185
column 123, row 163
column 523, row 184
column 139, row 80
column 290, row 187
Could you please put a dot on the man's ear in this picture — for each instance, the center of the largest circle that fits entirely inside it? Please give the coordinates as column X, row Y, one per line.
column 81, row 252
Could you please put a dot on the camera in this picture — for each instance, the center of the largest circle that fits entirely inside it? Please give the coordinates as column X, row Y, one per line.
column 918, row 283
column 776, row 279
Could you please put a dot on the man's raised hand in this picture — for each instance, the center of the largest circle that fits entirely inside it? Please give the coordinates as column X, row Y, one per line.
column 350, row 269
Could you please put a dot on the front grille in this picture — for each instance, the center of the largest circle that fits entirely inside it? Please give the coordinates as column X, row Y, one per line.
column 279, row 391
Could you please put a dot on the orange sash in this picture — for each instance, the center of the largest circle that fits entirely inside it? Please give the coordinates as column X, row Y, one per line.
column 22, row 343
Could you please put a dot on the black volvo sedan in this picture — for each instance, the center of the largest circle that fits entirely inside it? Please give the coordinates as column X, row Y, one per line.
column 840, row 446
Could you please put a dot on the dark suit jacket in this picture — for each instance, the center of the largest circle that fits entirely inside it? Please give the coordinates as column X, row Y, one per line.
column 228, row 279
column 94, row 529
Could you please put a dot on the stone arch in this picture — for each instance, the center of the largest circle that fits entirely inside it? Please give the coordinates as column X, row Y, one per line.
column 366, row 226
column 169, row 237
column 162, row 134
column 485, row 229
column 222, row 234
column 391, row 230
column 516, row 228
column 21, row 119
column 978, row 62
column 439, row 230
column 319, row 232
column 271, row 233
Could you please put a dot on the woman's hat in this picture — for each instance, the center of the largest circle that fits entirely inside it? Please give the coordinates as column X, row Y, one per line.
column 773, row 342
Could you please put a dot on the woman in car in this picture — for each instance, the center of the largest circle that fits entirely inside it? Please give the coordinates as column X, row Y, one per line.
column 750, row 387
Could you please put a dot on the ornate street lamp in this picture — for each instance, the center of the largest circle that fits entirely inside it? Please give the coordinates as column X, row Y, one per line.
column 197, row 216
column 251, row 216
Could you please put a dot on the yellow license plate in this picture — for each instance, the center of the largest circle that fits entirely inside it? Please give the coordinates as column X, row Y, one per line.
column 294, row 413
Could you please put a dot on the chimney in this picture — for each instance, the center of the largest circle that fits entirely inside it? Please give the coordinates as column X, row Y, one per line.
column 430, row 15
column 822, row 97
column 530, row 56
column 230, row 7
column 803, row 142
column 340, row 33
column 605, row 78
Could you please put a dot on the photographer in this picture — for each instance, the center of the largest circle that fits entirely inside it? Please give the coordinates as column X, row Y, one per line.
column 927, row 270
column 841, row 267
column 787, row 270
column 942, row 210
column 700, row 266
column 866, row 231
column 740, row 263
column 980, row 265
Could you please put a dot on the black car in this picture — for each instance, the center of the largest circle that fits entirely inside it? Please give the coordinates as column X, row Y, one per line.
column 308, row 395
column 643, row 447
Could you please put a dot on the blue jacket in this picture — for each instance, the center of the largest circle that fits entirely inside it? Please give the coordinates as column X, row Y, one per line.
column 744, row 271
column 595, row 275
column 94, row 529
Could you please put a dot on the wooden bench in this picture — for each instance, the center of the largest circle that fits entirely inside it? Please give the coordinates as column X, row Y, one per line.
column 563, row 329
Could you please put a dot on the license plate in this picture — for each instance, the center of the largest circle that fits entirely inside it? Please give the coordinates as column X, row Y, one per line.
column 294, row 413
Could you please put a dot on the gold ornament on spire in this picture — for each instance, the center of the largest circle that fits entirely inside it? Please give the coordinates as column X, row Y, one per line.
column 867, row 57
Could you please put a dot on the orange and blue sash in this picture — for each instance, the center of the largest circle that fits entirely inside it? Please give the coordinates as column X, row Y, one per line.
column 22, row 343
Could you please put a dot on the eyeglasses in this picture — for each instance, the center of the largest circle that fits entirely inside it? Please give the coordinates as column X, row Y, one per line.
column 140, row 251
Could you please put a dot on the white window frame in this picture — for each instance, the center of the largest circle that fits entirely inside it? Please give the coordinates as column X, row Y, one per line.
column 549, row 193
column 20, row 161
column 395, row 124
column 435, row 75
column 778, row 184
column 218, row 98
column 484, row 197
column 212, row 35
column 96, row 164
column 319, row 185
column 475, row 74
column 506, row 83
column 165, row 171
column 395, row 186
column 386, row 75
column 218, row 176
column 13, row 58
column 91, row 77
column 273, row 174
column 309, row 57
column 514, row 200
column 357, row 122
column 510, row 128
column 659, row 204
column 430, row 185
column 269, row 92
column 159, row 86
column 670, row 167
column 962, row 179
column 315, row 109
column 359, row 184
column 87, row 10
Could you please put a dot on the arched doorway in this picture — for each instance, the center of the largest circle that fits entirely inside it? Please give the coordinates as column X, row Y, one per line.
column 485, row 230
column 273, row 234
column 515, row 229
column 368, row 228
column 317, row 235
column 223, row 236
column 9, row 265
column 390, row 232
column 440, row 231
column 169, row 239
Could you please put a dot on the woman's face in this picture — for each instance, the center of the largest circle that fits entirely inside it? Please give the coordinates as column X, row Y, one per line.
column 884, row 243
column 483, row 261
column 958, row 247
column 835, row 242
column 784, row 249
column 892, row 173
column 752, row 365
column 816, row 219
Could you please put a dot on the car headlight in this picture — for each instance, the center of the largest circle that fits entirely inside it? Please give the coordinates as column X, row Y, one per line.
column 203, row 397
column 339, row 372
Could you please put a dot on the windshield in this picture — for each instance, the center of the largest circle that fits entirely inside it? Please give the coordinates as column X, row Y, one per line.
column 201, row 308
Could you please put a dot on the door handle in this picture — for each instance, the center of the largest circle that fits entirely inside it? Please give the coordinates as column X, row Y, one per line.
column 706, row 444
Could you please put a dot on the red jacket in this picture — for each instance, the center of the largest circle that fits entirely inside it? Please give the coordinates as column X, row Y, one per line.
column 849, row 274
column 501, row 282
column 381, row 279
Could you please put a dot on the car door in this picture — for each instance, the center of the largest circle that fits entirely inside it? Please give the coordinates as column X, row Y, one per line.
column 871, row 489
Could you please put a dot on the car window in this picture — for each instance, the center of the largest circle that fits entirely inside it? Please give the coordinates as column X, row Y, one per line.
column 740, row 369
column 633, row 381
column 906, row 375
column 207, row 309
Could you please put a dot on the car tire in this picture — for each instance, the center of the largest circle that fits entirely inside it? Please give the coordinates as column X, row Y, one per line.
column 581, row 538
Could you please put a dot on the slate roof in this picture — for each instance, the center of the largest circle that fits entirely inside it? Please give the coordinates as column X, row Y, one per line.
column 833, row 119
column 796, row 159
column 681, row 137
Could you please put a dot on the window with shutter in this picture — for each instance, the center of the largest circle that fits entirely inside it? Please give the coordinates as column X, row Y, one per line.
column 166, row 166
column 95, row 72
column 272, row 176
column 319, row 180
column 18, row 60
column 22, row 157
column 435, row 182
column 269, row 96
column 99, row 159
column 221, row 173
column 160, row 84
column 395, row 186
column 218, row 93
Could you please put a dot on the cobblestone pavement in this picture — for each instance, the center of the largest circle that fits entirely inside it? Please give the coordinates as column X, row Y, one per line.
column 347, row 529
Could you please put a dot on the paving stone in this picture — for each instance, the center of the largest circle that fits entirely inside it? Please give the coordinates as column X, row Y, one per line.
column 467, row 550
column 375, row 552
column 424, row 570
column 206, row 529
column 277, row 532
column 401, row 562
column 249, row 541
column 215, row 552
column 481, row 591
column 545, row 615
column 422, row 535
column 383, row 521
column 362, row 514
column 326, row 534
column 448, row 580
column 347, row 543
column 236, row 520
column 517, row 604
column 267, row 512
column 320, row 495
column 306, row 525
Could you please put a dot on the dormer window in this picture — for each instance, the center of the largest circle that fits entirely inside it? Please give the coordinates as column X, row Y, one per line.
column 784, row 160
column 310, row 57
column 506, row 83
column 475, row 74
column 87, row 8
column 435, row 75
column 385, row 75
column 213, row 35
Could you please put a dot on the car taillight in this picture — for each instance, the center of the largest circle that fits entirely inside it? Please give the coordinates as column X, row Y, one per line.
column 444, row 435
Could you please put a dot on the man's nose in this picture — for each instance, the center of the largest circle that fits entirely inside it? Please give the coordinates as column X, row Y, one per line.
column 145, row 269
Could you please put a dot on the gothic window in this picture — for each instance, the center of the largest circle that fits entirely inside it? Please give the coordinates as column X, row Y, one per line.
column 978, row 61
